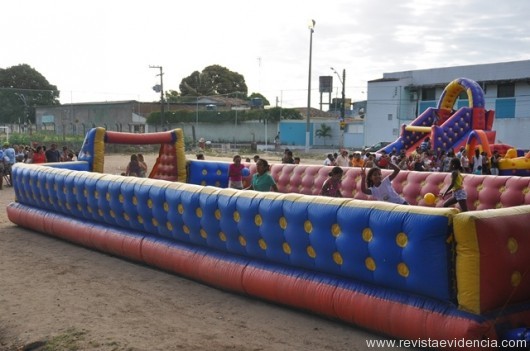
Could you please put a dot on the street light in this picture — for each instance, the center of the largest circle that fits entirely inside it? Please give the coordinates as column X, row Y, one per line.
column 343, row 82
column 342, row 105
column 307, row 129
column 155, row 88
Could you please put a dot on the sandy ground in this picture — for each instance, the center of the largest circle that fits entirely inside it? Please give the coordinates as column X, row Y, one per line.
column 68, row 297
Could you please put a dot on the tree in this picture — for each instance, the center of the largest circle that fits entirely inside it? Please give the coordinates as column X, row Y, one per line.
column 323, row 132
column 172, row 96
column 264, row 100
column 21, row 89
column 213, row 80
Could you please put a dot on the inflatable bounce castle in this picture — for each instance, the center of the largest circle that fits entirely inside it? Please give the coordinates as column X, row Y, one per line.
column 428, row 274
column 470, row 127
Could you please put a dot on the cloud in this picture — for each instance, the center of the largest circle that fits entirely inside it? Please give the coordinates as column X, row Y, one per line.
column 102, row 50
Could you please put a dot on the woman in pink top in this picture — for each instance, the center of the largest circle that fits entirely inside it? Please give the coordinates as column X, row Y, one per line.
column 331, row 186
column 235, row 176
column 39, row 156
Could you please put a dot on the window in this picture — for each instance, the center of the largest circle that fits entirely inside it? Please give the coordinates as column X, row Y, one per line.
column 463, row 95
column 428, row 94
column 506, row 90
column 389, row 116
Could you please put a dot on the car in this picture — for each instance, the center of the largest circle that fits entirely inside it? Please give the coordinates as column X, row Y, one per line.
column 376, row 147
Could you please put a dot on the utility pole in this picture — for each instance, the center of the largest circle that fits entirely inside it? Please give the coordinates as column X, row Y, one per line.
column 308, row 114
column 342, row 111
column 343, row 98
column 155, row 88
column 342, row 123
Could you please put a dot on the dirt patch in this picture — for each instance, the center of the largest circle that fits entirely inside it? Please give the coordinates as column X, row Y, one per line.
column 58, row 296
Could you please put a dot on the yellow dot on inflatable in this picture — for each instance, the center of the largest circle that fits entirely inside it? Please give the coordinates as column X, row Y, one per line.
column 74, row 190
column 502, row 189
column 403, row 270
column 335, row 230
column 96, row 194
column 154, row 221
column 185, row 229
column 222, row 236
column 429, row 199
column 516, row 278
column 169, row 226
column 242, row 241
column 180, row 209
column 217, row 214
column 198, row 212
column 337, row 258
column 286, row 248
column 283, row 223
column 204, row 172
column 367, row 235
column 512, row 245
column 262, row 244
column 89, row 209
column 217, row 184
column 126, row 216
column 236, row 216
column 308, row 227
column 85, row 192
column 107, row 196
column 203, row 183
column 112, row 214
column 134, row 200
column 402, row 239
column 68, row 206
column 166, row 207
column 150, row 203
column 311, row 252
column 140, row 219
column 204, row 235
column 100, row 212
column 257, row 220
column 370, row 264
column 120, row 198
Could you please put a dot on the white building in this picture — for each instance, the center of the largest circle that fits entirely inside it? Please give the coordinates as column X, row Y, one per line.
column 399, row 97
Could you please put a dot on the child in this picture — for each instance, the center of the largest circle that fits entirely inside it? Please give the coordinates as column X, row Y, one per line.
column 457, row 181
column 235, row 178
column 133, row 168
column 143, row 166
column 381, row 189
column 262, row 180
column 331, row 186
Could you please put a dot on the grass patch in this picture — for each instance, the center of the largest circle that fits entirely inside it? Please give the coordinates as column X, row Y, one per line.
column 68, row 341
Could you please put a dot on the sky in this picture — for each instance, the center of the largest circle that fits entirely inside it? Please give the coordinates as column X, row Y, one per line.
column 102, row 50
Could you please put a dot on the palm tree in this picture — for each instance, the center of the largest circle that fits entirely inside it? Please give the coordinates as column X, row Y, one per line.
column 323, row 132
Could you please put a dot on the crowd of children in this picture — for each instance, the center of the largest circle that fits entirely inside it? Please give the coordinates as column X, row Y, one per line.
column 11, row 154
column 373, row 183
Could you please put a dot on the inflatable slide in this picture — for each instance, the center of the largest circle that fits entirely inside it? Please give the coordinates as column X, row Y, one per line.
column 448, row 128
